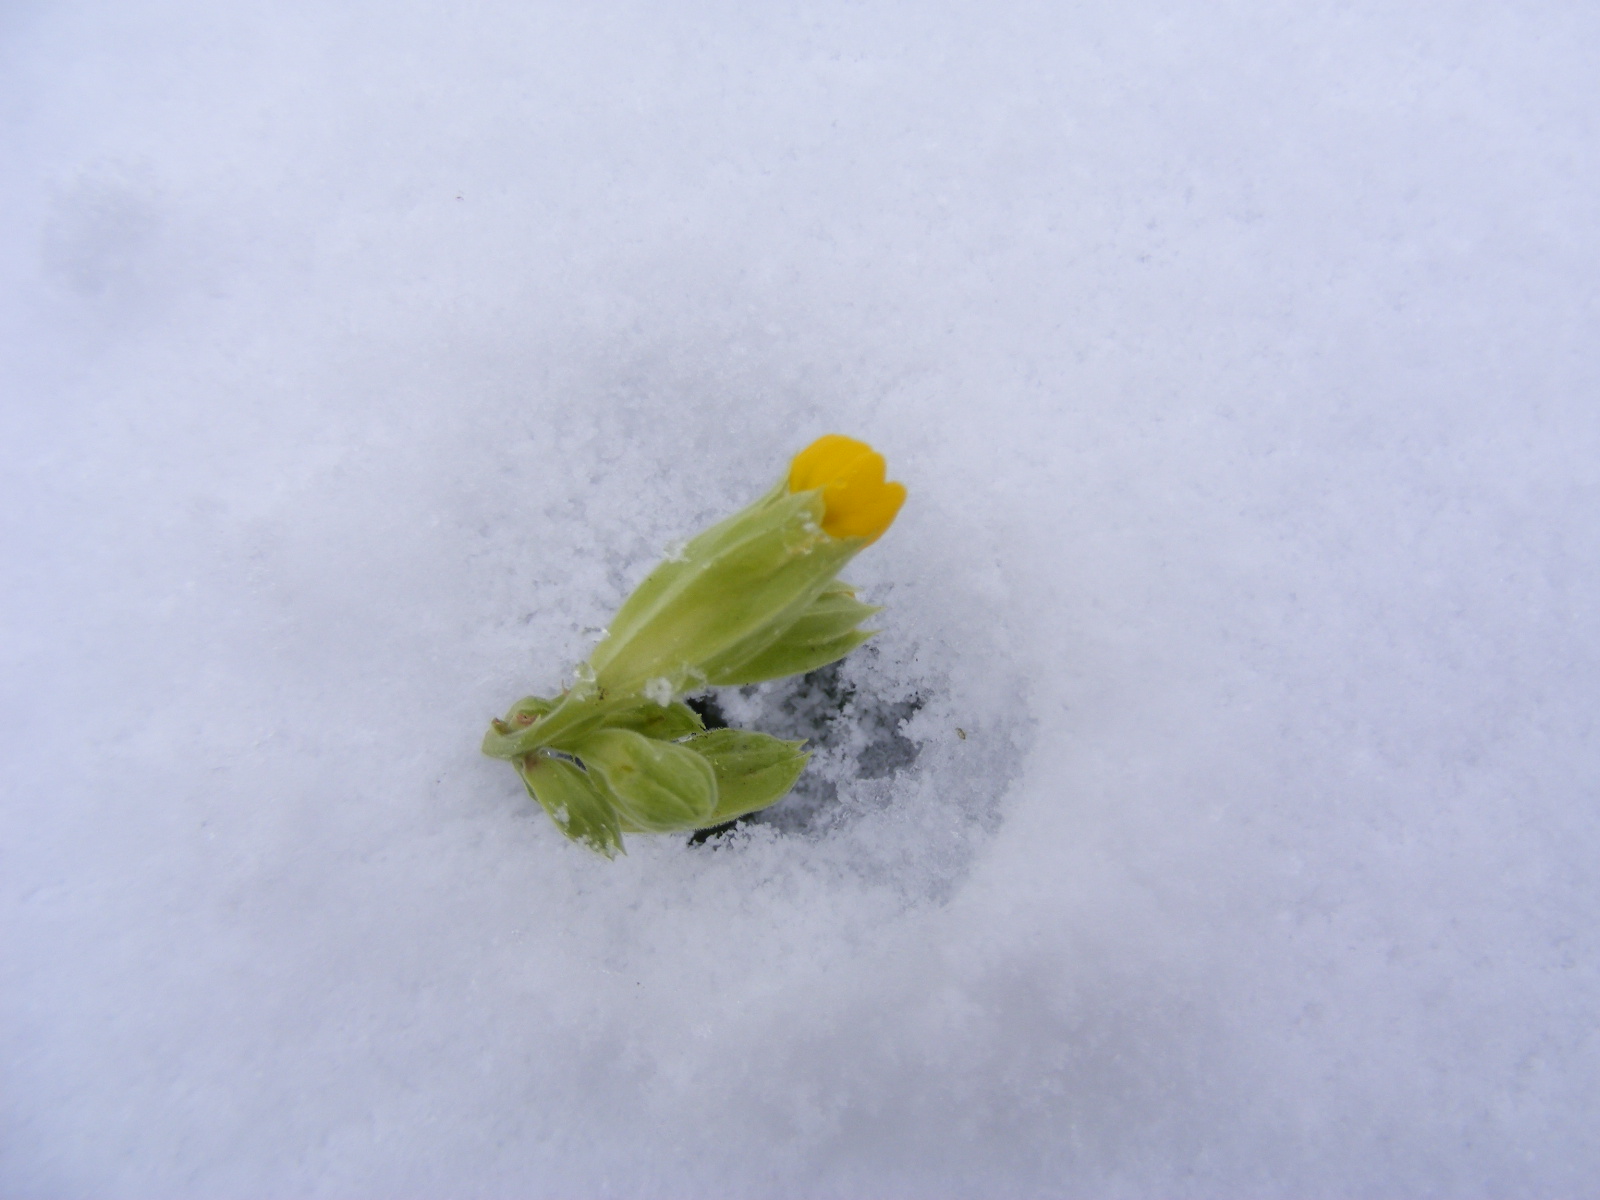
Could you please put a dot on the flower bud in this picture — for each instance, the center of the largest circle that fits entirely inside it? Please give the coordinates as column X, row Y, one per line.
column 857, row 503
column 753, row 769
column 655, row 786
column 574, row 803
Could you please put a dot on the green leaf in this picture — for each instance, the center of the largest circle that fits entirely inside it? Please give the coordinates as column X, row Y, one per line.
column 574, row 803
column 664, row 723
column 523, row 714
column 658, row 786
column 565, row 721
column 753, row 770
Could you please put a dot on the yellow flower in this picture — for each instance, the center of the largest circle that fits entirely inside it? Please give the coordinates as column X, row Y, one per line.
column 856, row 501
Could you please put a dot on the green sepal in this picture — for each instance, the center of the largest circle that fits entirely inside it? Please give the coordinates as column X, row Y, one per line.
column 824, row 632
column 646, row 600
column 664, row 723
column 836, row 610
column 753, row 770
column 574, row 803
column 753, row 576
column 656, row 786
column 788, row 659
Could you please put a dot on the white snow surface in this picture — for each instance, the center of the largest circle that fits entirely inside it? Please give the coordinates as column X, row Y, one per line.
column 1242, row 361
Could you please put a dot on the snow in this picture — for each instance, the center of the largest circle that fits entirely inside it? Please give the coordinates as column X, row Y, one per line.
column 1240, row 362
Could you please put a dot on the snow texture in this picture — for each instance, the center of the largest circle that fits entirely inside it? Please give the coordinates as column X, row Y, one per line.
column 1216, row 813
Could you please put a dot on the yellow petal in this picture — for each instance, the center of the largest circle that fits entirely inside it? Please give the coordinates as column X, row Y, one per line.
column 869, row 516
column 824, row 461
column 856, row 500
